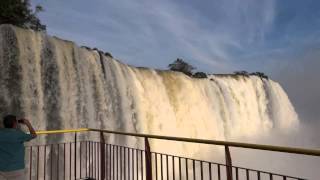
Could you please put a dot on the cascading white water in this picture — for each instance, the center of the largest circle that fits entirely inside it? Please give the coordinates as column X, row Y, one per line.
column 59, row 85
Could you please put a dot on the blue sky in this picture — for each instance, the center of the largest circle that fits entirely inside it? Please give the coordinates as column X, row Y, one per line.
column 280, row 38
column 213, row 35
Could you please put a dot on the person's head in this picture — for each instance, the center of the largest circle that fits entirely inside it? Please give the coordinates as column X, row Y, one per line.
column 10, row 121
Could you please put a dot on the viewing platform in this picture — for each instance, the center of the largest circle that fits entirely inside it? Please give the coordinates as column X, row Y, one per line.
column 104, row 161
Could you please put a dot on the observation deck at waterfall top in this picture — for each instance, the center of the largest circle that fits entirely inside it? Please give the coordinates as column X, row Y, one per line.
column 99, row 160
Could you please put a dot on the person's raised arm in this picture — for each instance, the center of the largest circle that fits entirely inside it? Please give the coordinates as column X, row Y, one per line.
column 31, row 129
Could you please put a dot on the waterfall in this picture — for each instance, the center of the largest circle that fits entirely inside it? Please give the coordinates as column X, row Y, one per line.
column 58, row 85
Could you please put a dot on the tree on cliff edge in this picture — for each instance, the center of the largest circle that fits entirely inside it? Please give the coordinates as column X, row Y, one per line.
column 181, row 66
column 19, row 13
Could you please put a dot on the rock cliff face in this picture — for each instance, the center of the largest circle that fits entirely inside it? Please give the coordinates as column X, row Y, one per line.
column 59, row 85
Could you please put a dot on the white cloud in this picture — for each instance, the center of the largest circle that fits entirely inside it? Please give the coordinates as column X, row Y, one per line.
column 148, row 31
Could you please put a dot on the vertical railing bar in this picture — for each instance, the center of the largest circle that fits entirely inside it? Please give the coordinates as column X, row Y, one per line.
column 80, row 158
column 89, row 157
column 258, row 174
column 94, row 170
column 156, row 164
column 124, row 163
column 119, row 163
column 173, row 168
column 161, row 167
column 102, row 160
column 120, row 152
column 271, row 177
column 141, row 163
column 94, row 160
column 75, row 155
column 113, row 162
column 237, row 174
column 129, row 166
column 187, row 174
column 124, row 169
column 137, row 163
column 109, row 157
column 58, row 154
column 38, row 154
column 201, row 170
column 107, row 160
column 51, row 161
column 284, row 177
column 116, row 162
column 64, row 160
column 86, row 158
column 30, row 164
column 248, row 175
column 116, row 166
column 167, row 166
column 110, row 162
column 180, row 175
column 132, row 157
column 70, row 160
column 210, row 171
column 45, row 162
column 98, row 160
column 194, row 169
column 219, row 172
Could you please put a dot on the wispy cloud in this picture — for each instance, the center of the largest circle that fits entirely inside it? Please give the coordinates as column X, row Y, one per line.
column 153, row 33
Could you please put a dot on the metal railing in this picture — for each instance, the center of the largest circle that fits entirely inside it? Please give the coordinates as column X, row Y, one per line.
column 100, row 160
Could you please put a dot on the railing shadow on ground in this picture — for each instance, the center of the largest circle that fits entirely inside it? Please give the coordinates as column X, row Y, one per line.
column 100, row 160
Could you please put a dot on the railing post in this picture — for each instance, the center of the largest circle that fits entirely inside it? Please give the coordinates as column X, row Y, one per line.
column 103, row 158
column 148, row 160
column 228, row 163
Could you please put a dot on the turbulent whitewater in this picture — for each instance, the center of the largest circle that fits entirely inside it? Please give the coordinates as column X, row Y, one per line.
column 59, row 85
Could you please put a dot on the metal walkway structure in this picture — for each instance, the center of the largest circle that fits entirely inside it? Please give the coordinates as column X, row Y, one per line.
column 100, row 160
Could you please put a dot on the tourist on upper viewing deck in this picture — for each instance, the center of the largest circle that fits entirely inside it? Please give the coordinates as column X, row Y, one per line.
column 12, row 150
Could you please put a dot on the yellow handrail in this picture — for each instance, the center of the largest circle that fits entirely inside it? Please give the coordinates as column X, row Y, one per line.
column 294, row 150
column 62, row 131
